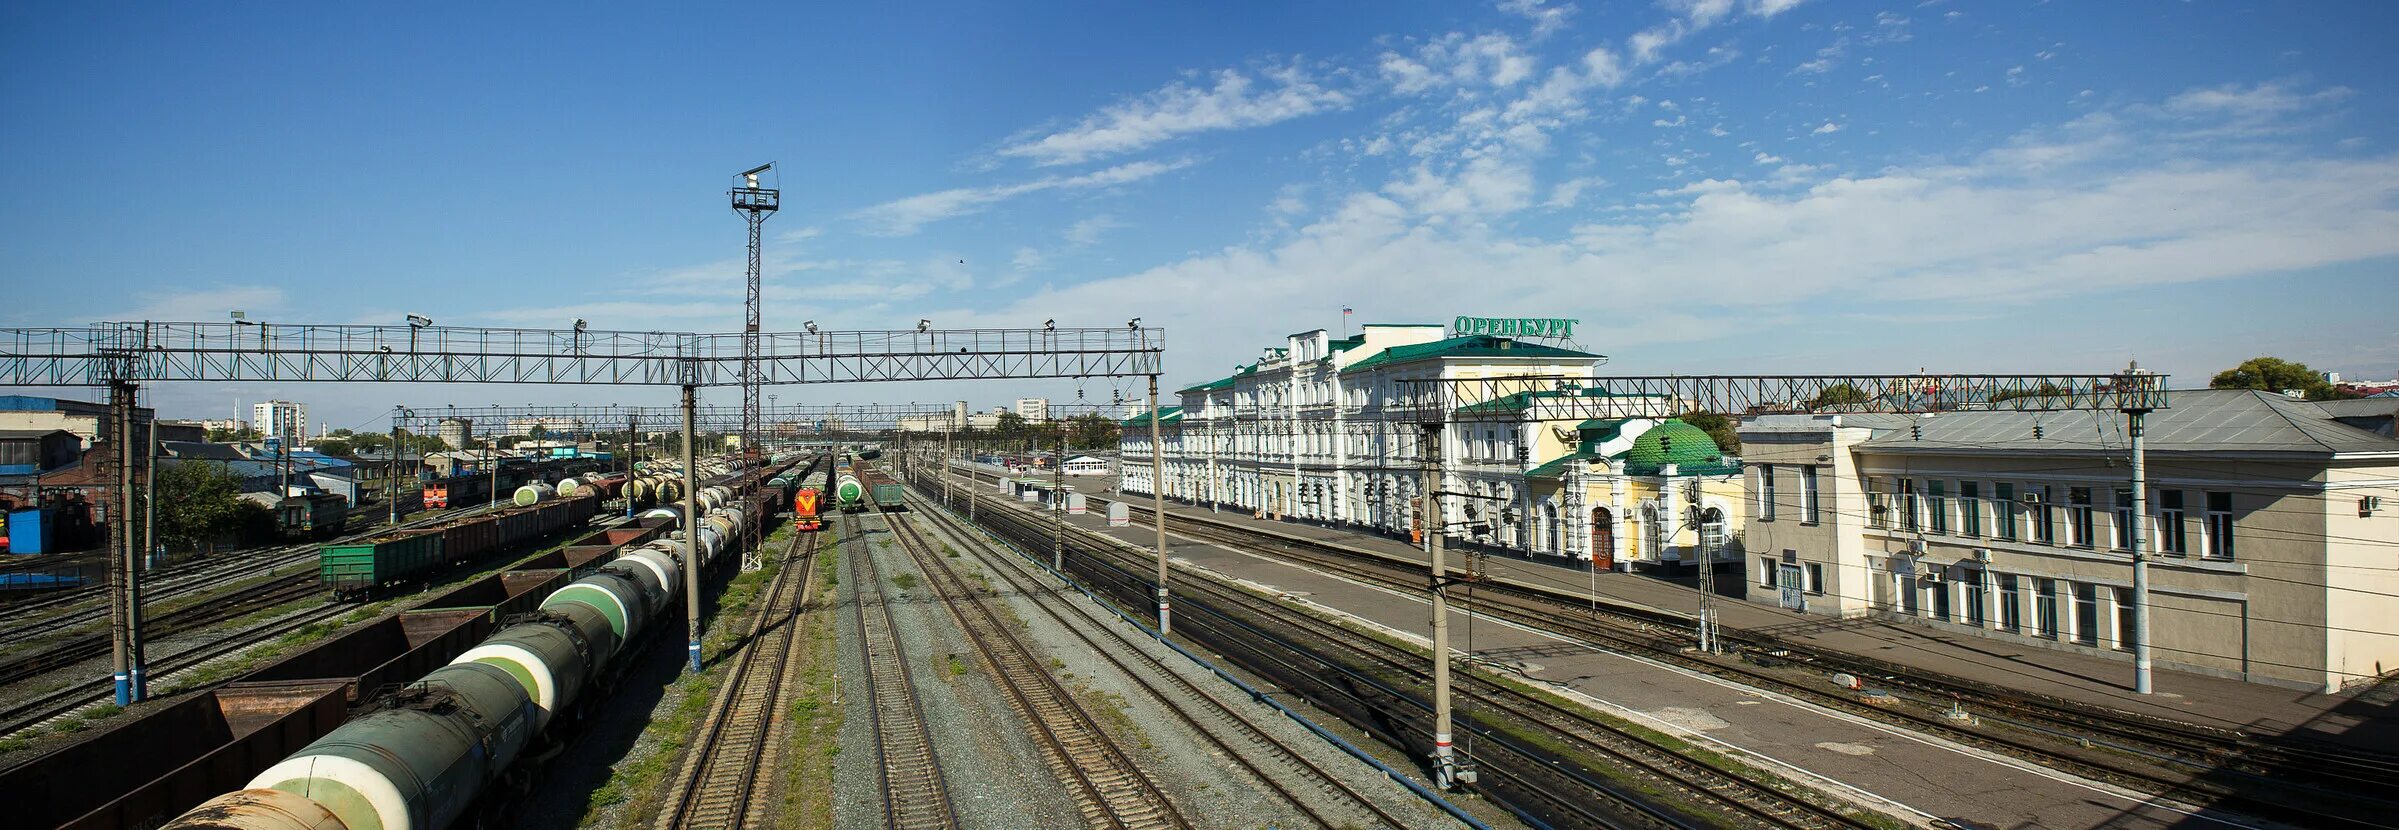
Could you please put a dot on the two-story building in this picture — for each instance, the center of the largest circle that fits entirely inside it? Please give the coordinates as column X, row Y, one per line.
column 2272, row 530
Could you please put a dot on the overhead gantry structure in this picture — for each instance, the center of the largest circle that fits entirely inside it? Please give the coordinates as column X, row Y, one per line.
column 121, row 356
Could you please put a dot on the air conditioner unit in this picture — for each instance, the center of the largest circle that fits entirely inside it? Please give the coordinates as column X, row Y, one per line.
column 2030, row 498
column 2367, row 505
column 1982, row 555
column 1916, row 546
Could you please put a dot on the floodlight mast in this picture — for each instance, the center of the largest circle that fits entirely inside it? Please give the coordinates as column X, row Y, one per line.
column 754, row 203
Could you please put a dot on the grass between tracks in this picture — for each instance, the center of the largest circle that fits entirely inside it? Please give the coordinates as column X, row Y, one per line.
column 816, row 717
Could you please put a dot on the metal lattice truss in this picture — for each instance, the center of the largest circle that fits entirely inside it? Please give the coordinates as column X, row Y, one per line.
column 614, row 420
column 242, row 351
column 1559, row 398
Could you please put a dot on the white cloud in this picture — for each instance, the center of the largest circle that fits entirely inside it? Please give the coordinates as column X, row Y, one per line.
column 1086, row 232
column 1546, row 18
column 1677, row 122
column 1827, row 128
column 901, row 217
column 1691, row 17
column 2235, row 110
column 1455, row 60
column 1235, row 101
column 1569, row 192
column 1026, row 259
column 2107, row 211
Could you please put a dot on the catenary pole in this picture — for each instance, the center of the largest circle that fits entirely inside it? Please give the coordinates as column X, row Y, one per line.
column 1158, row 511
column 120, row 571
column 392, row 475
column 2140, row 551
column 134, row 569
column 691, row 531
column 1444, row 763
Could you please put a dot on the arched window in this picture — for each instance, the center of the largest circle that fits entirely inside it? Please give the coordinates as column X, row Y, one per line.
column 1711, row 532
column 1550, row 540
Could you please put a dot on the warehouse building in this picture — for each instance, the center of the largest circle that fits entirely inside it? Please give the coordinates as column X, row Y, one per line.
column 2270, row 525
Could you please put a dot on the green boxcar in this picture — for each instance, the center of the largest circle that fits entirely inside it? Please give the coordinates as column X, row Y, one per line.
column 889, row 497
column 360, row 567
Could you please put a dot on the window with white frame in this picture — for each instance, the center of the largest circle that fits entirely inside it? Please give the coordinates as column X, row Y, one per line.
column 1809, row 500
column 2219, row 526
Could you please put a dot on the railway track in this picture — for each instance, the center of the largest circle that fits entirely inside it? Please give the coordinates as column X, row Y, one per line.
column 1108, row 788
column 1575, row 771
column 914, row 793
column 722, row 783
column 236, row 605
column 1204, row 713
column 61, row 611
column 51, row 707
column 2307, row 784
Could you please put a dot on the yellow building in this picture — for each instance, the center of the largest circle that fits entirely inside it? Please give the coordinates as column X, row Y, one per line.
column 1636, row 493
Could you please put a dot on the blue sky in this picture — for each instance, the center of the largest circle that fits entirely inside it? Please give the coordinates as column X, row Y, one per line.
column 1710, row 185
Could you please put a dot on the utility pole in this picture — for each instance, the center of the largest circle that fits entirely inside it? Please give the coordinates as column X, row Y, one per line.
column 691, row 530
column 122, row 625
column 2135, row 425
column 943, row 469
column 1058, row 503
column 391, row 498
column 1158, row 511
column 1445, row 765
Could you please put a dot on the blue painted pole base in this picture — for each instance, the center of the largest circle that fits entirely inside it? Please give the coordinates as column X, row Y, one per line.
column 124, row 690
column 141, row 684
column 695, row 655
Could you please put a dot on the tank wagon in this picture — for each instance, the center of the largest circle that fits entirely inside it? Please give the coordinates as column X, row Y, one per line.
column 421, row 760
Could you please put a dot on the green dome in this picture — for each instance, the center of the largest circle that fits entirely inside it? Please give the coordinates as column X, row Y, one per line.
column 1691, row 447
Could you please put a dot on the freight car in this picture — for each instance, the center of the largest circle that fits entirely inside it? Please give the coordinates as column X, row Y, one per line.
column 358, row 568
column 313, row 516
column 424, row 756
column 849, row 493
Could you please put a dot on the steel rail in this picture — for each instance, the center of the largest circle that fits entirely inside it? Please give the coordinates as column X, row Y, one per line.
column 1109, row 788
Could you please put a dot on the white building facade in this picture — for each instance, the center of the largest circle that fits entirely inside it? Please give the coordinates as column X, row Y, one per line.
column 281, row 419
column 1033, row 410
column 1310, row 431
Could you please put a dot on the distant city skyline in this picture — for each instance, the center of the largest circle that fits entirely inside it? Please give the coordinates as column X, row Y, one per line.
column 1710, row 186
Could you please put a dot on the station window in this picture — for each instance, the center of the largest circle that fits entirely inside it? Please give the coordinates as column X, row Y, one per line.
column 2078, row 516
column 1766, row 492
column 1939, row 505
column 1816, row 578
column 1909, row 519
column 2171, row 536
column 1809, row 501
column 2044, row 608
column 1766, row 572
column 2126, row 626
column 1878, row 511
column 2044, row 513
column 2219, row 526
column 1970, row 508
column 2086, row 613
column 2003, row 511
column 2010, row 618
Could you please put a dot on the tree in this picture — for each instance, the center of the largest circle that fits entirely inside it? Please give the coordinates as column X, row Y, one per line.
column 374, row 442
column 1717, row 426
column 2274, row 374
column 538, row 432
column 2045, row 390
column 336, row 447
column 1839, row 394
column 1011, row 425
column 197, row 502
column 1092, row 429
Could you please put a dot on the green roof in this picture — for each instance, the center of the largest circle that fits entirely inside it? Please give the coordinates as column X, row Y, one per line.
column 1480, row 345
column 1222, row 383
column 1557, row 468
column 1348, row 343
column 1166, row 415
column 1674, row 442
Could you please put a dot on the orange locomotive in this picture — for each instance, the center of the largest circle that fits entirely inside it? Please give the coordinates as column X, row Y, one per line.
column 803, row 509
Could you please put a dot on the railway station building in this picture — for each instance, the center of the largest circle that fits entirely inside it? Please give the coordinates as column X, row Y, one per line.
column 1310, row 431
column 2272, row 530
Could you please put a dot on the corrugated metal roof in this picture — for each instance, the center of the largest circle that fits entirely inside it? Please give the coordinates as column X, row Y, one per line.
column 2214, row 421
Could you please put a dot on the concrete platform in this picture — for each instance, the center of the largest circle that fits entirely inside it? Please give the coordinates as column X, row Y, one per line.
column 1913, row 775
